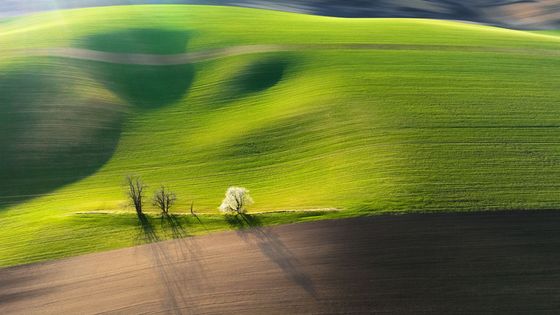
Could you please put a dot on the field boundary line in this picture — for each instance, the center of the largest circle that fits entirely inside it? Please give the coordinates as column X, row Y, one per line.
column 211, row 54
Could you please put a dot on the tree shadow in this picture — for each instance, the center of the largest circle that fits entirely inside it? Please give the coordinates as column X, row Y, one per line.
column 51, row 133
column 18, row 285
column 273, row 248
column 147, row 233
column 167, row 257
column 242, row 221
column 174, row 223
column 198, row 219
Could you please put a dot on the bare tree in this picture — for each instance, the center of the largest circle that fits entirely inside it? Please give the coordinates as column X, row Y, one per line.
column 164, row 199
column 236, row 201
column 135, row 192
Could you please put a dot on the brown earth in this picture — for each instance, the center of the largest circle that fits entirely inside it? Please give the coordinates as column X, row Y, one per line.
column 430, row 263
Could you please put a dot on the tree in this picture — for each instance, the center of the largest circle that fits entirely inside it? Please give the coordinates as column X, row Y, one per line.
column 135, row 192
column 236, row 201
column 164, row 199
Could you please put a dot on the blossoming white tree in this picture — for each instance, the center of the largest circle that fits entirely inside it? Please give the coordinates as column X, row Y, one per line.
column 236, row 201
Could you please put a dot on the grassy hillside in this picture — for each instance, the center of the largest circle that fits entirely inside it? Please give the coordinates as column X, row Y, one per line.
column 550, row 32
column 431, row 115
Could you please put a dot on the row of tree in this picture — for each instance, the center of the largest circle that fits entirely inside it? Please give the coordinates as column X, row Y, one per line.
column 236, row 200
column 163, row 197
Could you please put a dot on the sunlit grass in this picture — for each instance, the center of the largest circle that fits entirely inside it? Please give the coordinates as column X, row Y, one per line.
column 364, row 131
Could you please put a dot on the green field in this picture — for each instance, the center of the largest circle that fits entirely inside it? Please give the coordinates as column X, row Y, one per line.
column 549, row 32
column 365, row 116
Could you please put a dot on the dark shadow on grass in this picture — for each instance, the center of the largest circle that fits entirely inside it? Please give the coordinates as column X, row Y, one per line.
column 51, row 133
column 145, row 86
column 138, row 41
column 198, row 219
column 142, row 85
column 147, row 233
column 174, row 223
column 255, row 77
column 261, row 75
column 242, row 221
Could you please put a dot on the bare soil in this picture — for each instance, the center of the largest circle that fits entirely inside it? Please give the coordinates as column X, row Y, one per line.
column 411, row 264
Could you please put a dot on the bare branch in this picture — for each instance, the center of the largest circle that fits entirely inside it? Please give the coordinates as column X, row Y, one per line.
column 164, row 199
column 135, row 192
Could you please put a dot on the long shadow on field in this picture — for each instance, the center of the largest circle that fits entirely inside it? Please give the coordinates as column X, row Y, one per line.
column 143, row 85
column 51, row 132
column 22, row 284
column 273, row 248
column 164, row 259
column 242, row 221
column 177, row 283
column 147, row 232
column 167, row 257
column 173, row 222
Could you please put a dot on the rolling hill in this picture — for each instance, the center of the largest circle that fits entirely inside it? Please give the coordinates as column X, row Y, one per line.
column 308, row 112
column 534, row 14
